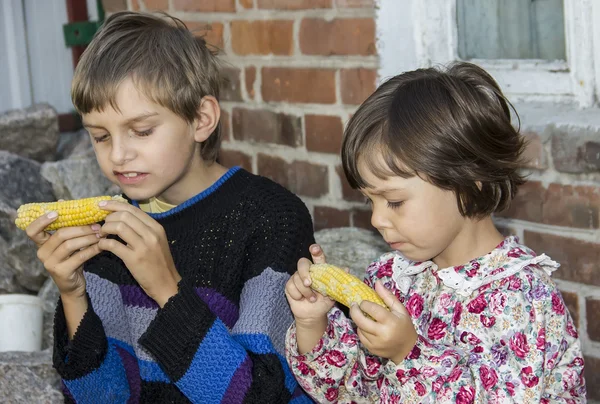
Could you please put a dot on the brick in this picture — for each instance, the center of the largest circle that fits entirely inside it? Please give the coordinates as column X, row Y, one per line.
column 268, row 37
column 112, row 6
column 535, row 154
column 247, row 3
column 580, row 260
column 592, row 308
column 592, row 377
column 294, row 4
column 323, row 133
column 347, row 36
column 135, row 5
column 230, row 158
column 300, row 177
column 225, row 125
column 576, row 151
column 250, row 73
column 157, row 5
column 230, row 88
column 357, row 85
column 224, row 6
column 263, row 126
column 355, row 3
column 348, row 193
column 572, row 303
column 298, row 85
column 212, row 32
column 327, row 218
column 362, row 218
column 558, row 205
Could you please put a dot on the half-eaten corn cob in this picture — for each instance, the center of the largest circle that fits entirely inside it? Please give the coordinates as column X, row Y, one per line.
column 76, row 212
column 341, row 286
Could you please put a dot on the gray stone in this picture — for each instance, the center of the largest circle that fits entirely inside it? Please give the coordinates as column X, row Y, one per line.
column 21, row 181
column 575, row 150
column 28, row 377
column 31, row 132
column 76, row 178
column 351, row 247
column 74, row 145
column 49, row 294
column 23, row 261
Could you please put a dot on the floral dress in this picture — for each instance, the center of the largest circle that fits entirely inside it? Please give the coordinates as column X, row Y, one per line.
column 495, row 330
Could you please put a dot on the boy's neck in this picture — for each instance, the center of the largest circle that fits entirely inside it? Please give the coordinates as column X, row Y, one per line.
column 477, row 238
column 198, row 179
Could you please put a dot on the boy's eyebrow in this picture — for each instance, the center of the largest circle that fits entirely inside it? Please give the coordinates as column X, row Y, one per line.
column 128, row 122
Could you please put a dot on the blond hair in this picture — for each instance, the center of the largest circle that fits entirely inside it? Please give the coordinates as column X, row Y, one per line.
column 166, row 62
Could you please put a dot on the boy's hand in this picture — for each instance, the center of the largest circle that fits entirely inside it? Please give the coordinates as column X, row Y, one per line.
column 146, row 254
column 64, row 252
column 392, row 334
column 307, row 305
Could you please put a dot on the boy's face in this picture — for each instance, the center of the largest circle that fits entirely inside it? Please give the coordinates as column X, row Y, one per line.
column 144, row 148
column 414, row 217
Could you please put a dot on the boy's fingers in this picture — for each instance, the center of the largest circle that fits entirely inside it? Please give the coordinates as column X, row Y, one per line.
column 35, row 231
column 318, row 256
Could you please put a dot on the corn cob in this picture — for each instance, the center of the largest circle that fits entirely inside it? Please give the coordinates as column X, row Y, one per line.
column 341, row 286
column 76, row 212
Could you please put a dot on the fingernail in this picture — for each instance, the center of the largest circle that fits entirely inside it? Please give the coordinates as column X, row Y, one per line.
column 96, row 227
column 52, row 215
column 102, row 203
column 313, row 299
column 306, row 282
column 98, row 235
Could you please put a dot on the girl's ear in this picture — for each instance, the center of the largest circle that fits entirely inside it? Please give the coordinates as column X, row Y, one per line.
column 207, row 118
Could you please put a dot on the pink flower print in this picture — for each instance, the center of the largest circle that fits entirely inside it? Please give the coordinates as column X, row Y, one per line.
column 329, row 380
column 487, row 321
column 570, row 378
column 437, row 329
column 401, row 375
column 518, row 344
column 541, row 340
column 454, row 375
column 349, row 339
column 465, row 395
column 528, row 378
column 304, row 369
column 331, row 394
column 498, row 397
column 469, row 337
column 557, row 304
column 415, row 306
column 515, row 283
column 515, row 253
column 415, row 353
column 477, row 305
column 373, row 366
column 336, row 358
column 445, row 302
column 488, row 377
column 437, row 384
column 385, row 269
column 419, row 388
column 511, row 388
column 571, row 329
column 457, row 314
column 497, row 302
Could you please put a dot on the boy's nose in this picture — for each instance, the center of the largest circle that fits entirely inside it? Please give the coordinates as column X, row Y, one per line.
column 120, row 153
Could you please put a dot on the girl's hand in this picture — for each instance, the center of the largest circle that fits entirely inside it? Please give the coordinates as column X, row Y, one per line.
column 146, row 252
column 392, row 335
column 308, row 306
column 64, row 252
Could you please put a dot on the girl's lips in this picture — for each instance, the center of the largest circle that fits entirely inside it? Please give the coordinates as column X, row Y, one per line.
column 131, row 180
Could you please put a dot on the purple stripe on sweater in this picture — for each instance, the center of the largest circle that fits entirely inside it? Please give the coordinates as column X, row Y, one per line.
column 132, row 371
column 239, row 384
column 66, row 392
column 298, row 392
column 135, row 296
column 220, row 305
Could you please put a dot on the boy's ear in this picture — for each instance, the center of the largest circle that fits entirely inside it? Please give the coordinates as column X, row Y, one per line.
column 208, row 115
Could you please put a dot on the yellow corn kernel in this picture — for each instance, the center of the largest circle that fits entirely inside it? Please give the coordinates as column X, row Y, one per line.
column 76, row 212
column 341, row 286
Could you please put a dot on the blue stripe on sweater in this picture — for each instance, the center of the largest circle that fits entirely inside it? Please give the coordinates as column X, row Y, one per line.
column 110, row 375
column 304, row 399
column 261, row 344
column 209, row 382
column 149, row 371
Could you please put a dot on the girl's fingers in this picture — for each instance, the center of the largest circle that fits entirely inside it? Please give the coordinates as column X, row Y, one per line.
column 303, row 271
column 304, row 290
column 390, row 300
column 318, row 256
column 361, row 320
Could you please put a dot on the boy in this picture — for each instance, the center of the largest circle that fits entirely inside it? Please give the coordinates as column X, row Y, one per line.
column 178, row 296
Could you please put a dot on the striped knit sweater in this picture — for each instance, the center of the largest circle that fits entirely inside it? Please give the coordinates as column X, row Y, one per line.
column 221, row 338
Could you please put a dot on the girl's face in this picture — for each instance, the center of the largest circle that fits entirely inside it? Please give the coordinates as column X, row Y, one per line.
column 414, row 217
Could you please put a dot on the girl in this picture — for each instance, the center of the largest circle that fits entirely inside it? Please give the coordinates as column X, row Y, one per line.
column 473, row 316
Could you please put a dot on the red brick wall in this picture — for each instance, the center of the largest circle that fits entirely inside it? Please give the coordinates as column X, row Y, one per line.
column 297, row 70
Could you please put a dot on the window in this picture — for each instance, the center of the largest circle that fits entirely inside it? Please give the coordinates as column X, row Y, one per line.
column 538, row 50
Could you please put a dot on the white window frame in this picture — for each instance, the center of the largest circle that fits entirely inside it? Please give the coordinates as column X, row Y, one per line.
column 435, row 41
